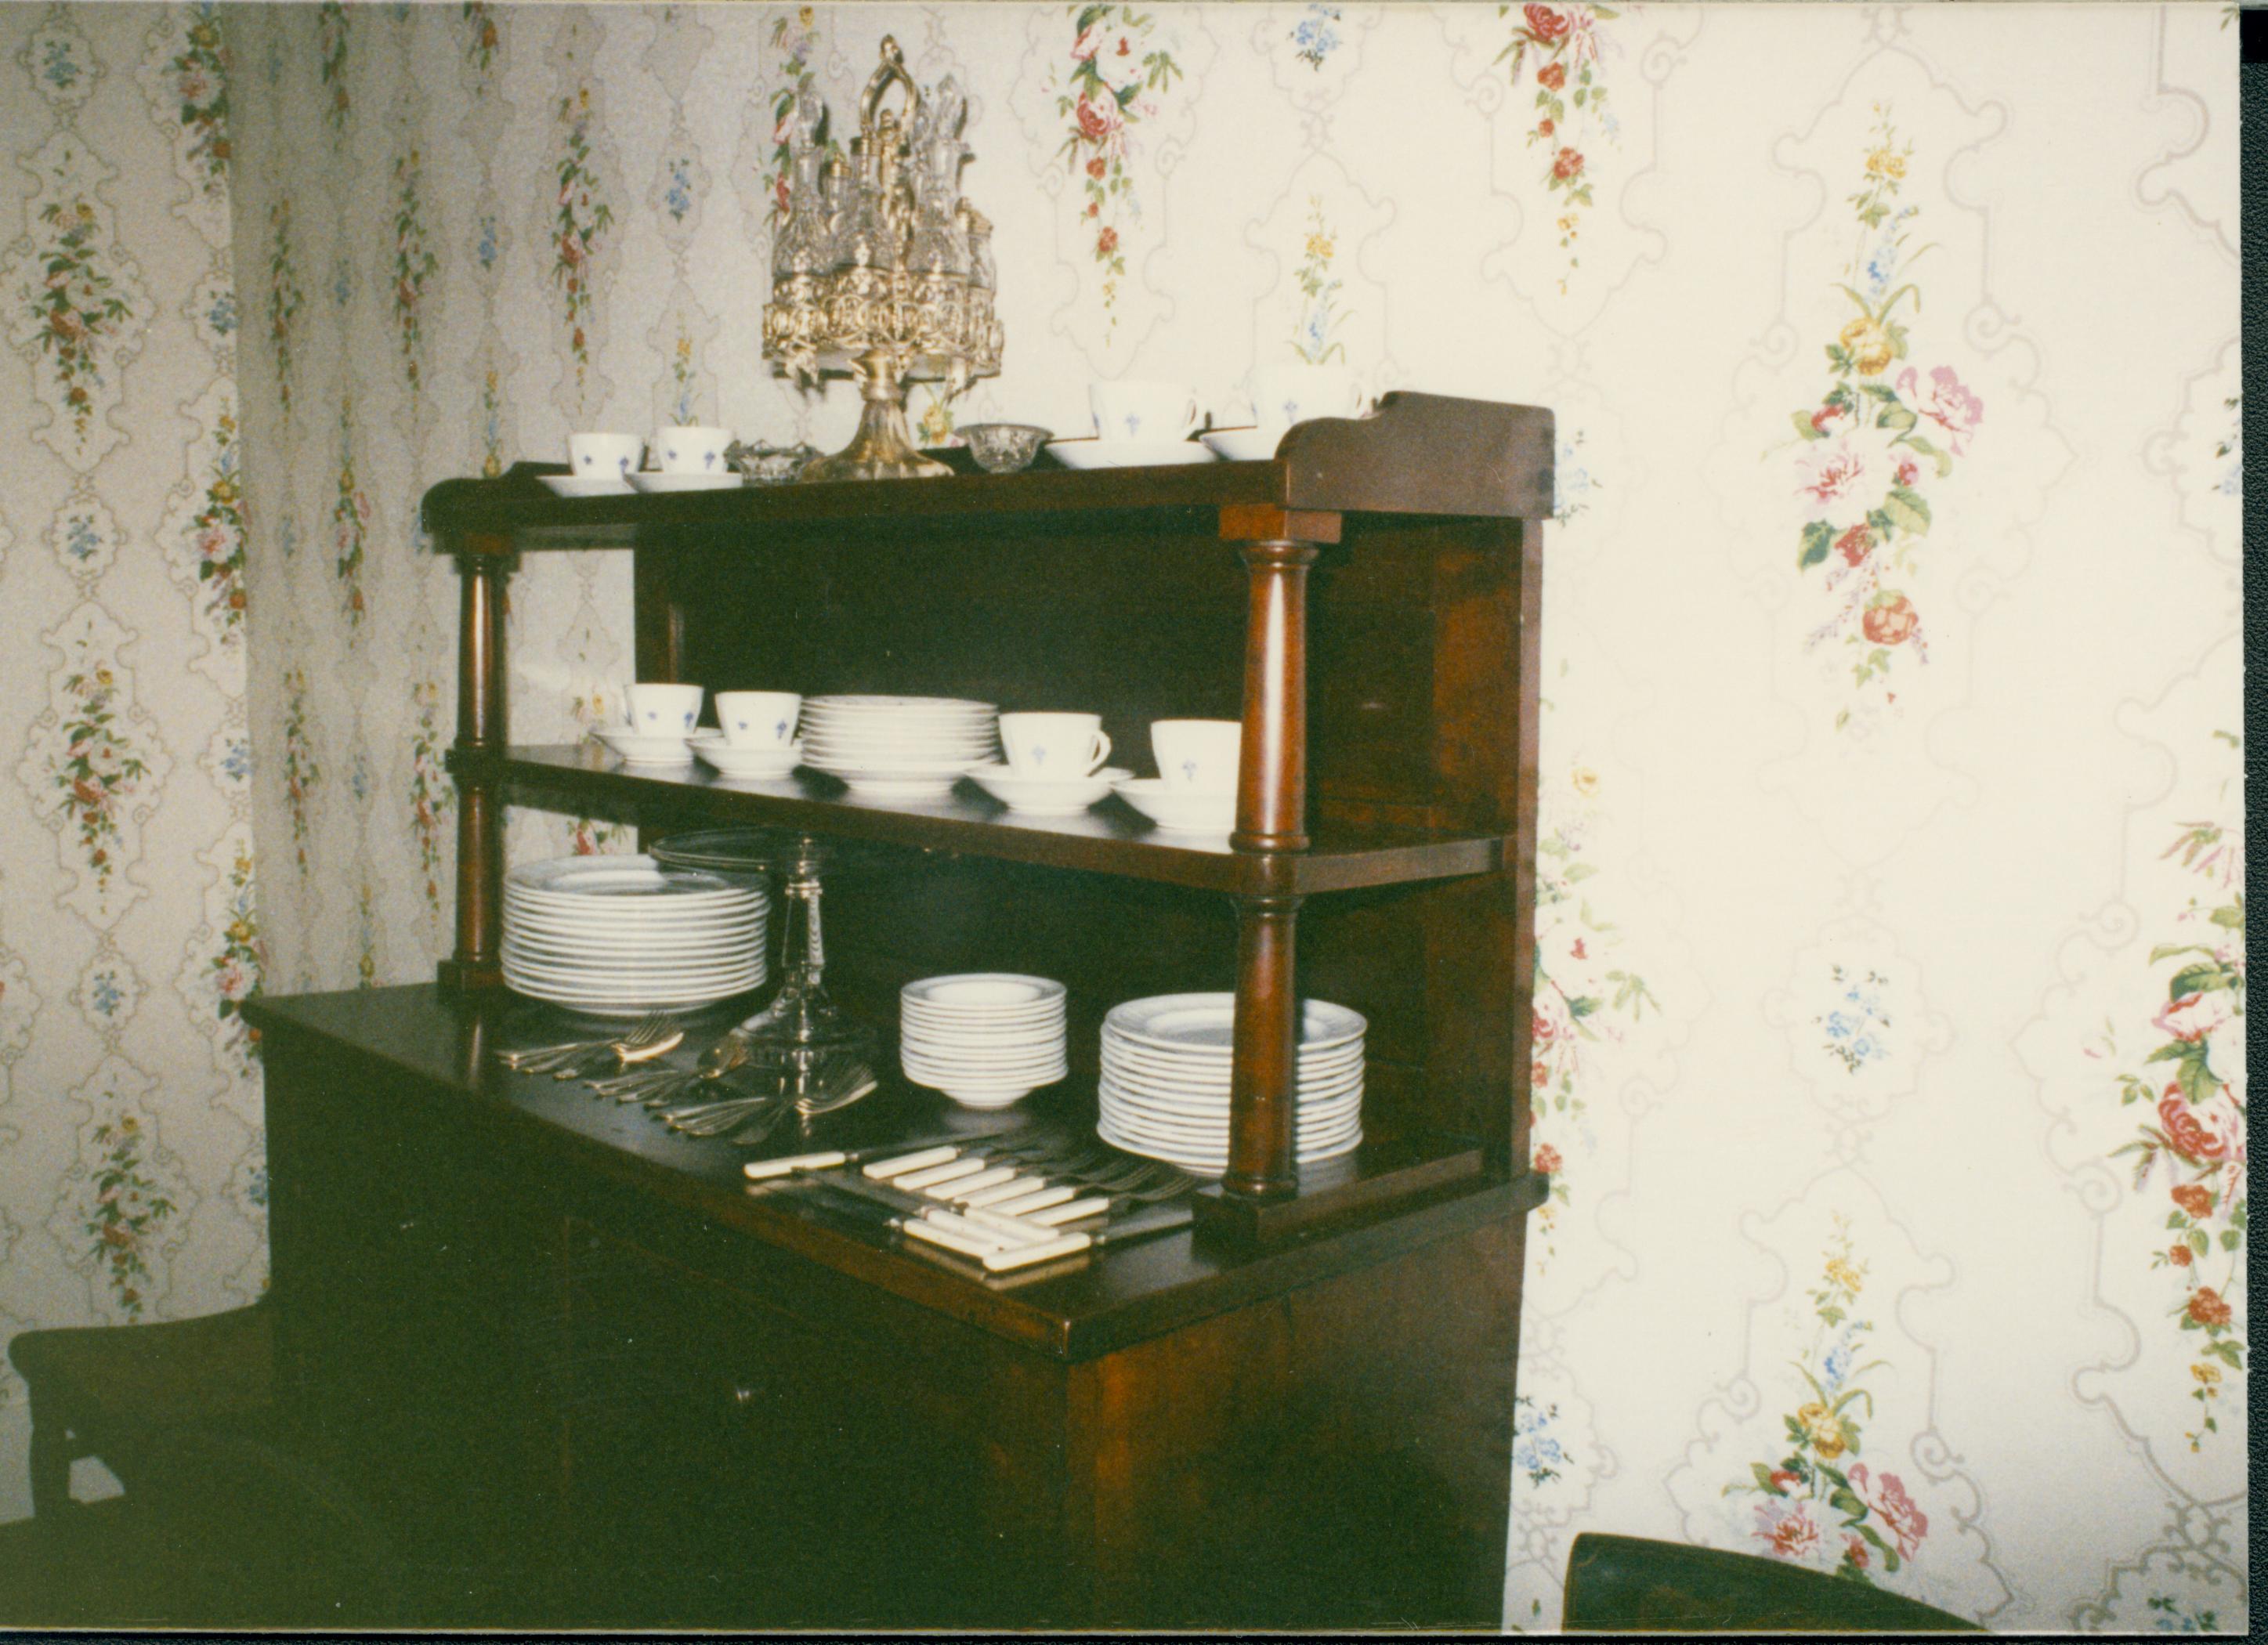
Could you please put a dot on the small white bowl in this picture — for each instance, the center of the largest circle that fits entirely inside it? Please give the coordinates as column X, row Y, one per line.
column 1044, row 796
column 1242, row 446
column 1179, row 809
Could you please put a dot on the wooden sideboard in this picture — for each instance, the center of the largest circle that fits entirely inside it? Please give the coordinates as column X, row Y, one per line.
column 600, row 1378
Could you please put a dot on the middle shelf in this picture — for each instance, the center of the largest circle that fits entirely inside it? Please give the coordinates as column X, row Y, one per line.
column 1105, row 840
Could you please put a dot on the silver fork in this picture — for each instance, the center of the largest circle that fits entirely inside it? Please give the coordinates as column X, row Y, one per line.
column 649, row 1037
column 716, row 1062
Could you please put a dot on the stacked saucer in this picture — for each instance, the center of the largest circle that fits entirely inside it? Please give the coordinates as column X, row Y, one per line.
column 905, row 748
column 1165, row 1080
column 621, row 935
column 985, row 1037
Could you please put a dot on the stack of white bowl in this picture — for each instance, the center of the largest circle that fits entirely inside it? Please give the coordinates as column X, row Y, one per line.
column 898, row 747
column 1165, row 1080
column 985, row 1039
column 621, row 935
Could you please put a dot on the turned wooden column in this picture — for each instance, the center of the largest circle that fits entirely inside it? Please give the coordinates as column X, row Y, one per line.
column 1264, row 1059
column 482, row 562
column 1271, row 781
column 1277, row 546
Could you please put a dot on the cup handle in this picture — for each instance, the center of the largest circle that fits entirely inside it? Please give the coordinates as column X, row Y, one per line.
column 1101, row 753
column 1190, row 418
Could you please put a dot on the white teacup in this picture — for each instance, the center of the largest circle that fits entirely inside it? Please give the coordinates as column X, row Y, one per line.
column 1063, row 745
column 1197, row 754
column 1284, row 394
column 758, row 719
column 604, row 456
column 656, row 709
column 691, row 450
column 1136, row 411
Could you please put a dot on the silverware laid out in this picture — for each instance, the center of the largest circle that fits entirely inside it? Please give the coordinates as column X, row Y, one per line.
column 650, row 1036
column 656, row 1086
column 897, row 1156
column 1000, row 1243
column 811, row 1086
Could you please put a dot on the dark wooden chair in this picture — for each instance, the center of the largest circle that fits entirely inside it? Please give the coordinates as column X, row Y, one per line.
column 1636, row 1585
column 229, row 1522
column 113, row 1390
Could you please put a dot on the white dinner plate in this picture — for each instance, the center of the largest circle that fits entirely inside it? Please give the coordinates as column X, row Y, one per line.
column 854, row 703
column 983, row 990
column 621, row 1005
column 1165, row 1101
column 1214, row 1081
column 625, row 876
column 1311, row 1113
column 1214, row 1137
column 633, row 908
column 1093, row 453
column 675, row 956
column 1209, row 1163
column 1195, row 1022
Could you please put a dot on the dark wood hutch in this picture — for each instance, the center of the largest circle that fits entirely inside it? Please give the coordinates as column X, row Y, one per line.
column 596, row 1377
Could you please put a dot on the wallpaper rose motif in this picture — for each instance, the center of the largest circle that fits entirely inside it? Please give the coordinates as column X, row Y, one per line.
column 1823, row 1506
column 80, row 306
column 415, row 261
column 1118, row 71
column 1868, row 439
column 129, row 1208
column 579, row 225
column 1562, row 44
column 284, row 298
column 795, row 40
column 2191, row 1112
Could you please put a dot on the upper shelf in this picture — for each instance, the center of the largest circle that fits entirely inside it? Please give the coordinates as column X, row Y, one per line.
column 1416, row 454
column 1107, row 840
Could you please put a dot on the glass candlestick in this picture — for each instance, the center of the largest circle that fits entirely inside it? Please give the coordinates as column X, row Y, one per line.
column 800, row 1015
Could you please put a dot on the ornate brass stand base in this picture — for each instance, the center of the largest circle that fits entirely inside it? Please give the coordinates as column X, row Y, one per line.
column 883, row 448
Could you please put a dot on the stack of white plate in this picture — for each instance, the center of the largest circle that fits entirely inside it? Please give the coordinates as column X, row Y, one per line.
column 1165, row 1080
column 984, row 1038
column 898, row 747
column 621, row 935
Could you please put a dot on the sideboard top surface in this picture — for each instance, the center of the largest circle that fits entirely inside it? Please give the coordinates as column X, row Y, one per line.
column 1418, row 454
column 443, row 1040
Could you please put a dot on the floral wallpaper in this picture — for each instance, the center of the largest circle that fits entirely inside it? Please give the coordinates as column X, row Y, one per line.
column 130, row 916
column 1889, row 1055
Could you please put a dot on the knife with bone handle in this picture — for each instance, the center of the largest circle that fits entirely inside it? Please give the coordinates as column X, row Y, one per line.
column 890, row 1158
column 909, row 1213
column 999, row 1250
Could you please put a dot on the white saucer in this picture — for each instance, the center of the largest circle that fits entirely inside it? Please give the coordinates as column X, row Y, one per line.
column 745, row 762
column 1241, row 445
column 1093, row 453
column 647, row 751
column 1044, row 796
column 895, row 788
column 686, row 482
column 585, row 485
column 1179, row 809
